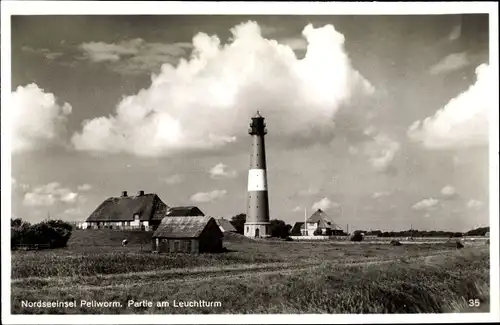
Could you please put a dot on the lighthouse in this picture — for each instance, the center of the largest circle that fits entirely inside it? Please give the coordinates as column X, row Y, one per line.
column 257, row 222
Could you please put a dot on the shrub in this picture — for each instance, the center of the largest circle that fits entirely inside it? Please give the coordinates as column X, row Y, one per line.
column 278, row 228
column 317, row 232
column 46, row 234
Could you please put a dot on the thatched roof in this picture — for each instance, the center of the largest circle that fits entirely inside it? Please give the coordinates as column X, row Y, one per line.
column 184, row 212
column 225, row 225
column 182, row 227
column 323, row 220
column 147, row 206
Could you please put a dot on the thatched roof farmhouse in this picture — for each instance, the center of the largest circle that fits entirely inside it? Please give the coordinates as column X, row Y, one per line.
column 142, row 211
column 318, row 220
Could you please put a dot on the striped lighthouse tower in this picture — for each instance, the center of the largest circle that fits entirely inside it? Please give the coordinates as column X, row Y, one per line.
column 257, row 223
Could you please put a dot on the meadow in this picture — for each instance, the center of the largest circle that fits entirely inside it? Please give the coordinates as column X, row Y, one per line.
column 254, row 276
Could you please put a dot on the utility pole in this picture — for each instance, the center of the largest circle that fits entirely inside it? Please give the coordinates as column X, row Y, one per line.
column 305, row 221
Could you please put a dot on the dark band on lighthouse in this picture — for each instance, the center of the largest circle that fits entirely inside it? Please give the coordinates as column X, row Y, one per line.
column 257, row 223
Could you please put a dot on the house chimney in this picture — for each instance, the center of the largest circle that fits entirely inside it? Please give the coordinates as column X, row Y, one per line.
column 140, row 193
column 124, row 193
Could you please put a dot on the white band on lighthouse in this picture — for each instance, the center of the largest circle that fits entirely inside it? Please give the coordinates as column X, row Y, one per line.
column 257, row 180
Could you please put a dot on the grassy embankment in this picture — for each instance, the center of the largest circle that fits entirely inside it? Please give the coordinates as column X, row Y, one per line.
column 259, row 277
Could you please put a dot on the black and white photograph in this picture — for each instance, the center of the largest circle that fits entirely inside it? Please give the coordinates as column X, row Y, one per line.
column 252, row 159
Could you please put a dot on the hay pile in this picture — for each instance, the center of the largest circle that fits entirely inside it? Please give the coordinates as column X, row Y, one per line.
column 395, row 243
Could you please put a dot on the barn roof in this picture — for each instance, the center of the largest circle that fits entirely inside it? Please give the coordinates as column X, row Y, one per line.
column 323, row 220
column 184, row 211
column 148, row 206
column 182, row 227
column 297, row 228
column 225, row 224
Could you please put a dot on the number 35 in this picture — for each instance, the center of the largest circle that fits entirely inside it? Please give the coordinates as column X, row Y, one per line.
column 474, row 302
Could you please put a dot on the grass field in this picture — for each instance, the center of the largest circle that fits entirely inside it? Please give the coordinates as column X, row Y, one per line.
column 253, row 277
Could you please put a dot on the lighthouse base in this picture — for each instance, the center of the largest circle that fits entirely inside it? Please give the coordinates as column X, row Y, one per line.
column 257, row 229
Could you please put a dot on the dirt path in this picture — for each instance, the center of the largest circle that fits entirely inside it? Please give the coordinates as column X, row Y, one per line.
column 177, row 276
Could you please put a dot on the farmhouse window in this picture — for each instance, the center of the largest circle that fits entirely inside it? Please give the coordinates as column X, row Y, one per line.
column 176, row 246
column 188, row 245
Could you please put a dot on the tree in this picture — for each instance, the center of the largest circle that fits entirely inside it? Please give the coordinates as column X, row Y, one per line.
column 16, row 222
column 51, row 234
column 238, row 222
column 279, row 229
column 478, row 231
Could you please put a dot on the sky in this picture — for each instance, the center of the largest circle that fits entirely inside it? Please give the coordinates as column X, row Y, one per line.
column 381, row 121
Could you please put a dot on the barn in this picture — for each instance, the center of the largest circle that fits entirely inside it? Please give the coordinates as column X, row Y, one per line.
column 142, row 212
column 225, row 225
column 297, row 229
column 187, row 211
column 188, row 235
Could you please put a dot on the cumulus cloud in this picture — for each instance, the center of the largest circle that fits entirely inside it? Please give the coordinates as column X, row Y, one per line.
column 450, row 63
column 297, row 208
column 49, row 194
column 463, row 122
column 134, row 56
column 208, row 196
column 221, row 171
column 36, row 199
column 206, row 102
column 426, row 204
column 37, row 119
column 295, row 43
column 325, row 204
column 381, row 152
column 84, row 187
column 448, row 191
column 173, row 179
column 378, row 195
column 16, row 185
column 474, row 204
